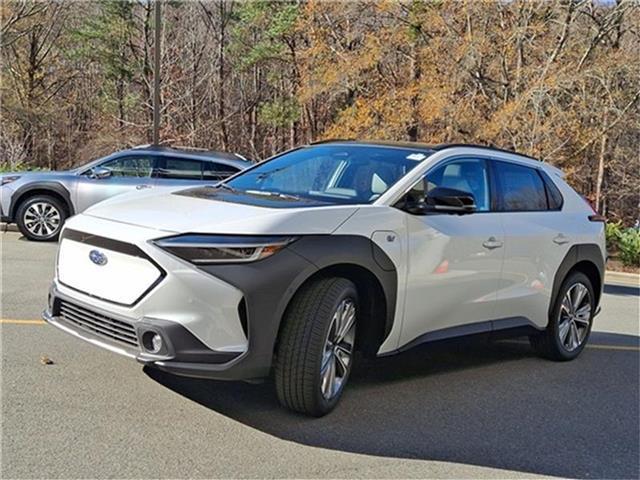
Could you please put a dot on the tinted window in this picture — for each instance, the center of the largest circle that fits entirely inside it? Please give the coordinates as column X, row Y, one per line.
column 180, row 168
column 217, row 171
column 331, row 173
column 468, row 175
column 554, row 196
column 130, row 166
column 520, row 188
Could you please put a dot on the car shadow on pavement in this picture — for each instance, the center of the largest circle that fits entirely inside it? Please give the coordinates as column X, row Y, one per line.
column 472, row 402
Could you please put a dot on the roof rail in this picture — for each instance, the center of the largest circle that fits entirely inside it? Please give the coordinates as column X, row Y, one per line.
column 329, row 140
column 187, row 147
column 442, row 146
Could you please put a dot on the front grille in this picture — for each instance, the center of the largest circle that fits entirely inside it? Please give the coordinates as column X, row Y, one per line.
column 98, row 324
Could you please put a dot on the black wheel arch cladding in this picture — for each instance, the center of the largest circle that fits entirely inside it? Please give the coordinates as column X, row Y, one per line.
column 269, row 285
column 588, row 255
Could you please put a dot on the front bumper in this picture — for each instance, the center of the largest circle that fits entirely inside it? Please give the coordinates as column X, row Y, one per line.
column 5, row 204
column 182, row 353
column 3, row 216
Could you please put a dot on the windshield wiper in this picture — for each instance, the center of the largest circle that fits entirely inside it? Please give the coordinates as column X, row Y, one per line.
column 267, row 193
column 226, row 187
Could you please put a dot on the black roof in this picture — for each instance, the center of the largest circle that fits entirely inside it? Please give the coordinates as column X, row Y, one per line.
column 382, row 143
column 422, row 146
column 443, row 146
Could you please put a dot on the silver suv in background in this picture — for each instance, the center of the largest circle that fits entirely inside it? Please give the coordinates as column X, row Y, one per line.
column 40, row 202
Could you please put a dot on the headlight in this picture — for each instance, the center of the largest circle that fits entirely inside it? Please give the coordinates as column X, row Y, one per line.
column 208, row 249
column 9, row 179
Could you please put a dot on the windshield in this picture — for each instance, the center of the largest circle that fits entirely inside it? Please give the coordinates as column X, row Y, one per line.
column 345, row 174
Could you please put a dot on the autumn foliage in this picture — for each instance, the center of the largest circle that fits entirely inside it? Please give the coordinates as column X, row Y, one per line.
column 556, row 80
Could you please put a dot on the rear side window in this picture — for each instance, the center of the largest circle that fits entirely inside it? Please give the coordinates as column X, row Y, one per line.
column 554, row 196
column 520, row 188
column 179, row 169
column 217, row 171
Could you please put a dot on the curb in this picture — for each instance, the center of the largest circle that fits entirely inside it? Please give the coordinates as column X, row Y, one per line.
column 632, row 279
column 8, row 227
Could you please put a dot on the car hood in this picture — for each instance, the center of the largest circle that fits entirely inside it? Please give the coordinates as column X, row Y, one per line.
column 169, row 212
column 35, row 175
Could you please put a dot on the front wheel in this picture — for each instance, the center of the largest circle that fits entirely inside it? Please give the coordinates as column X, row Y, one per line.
column 570, row 322
column 40, row 218
column 316, row 346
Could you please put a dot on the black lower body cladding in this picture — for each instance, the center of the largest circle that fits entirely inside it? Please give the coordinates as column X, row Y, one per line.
column 269, row 285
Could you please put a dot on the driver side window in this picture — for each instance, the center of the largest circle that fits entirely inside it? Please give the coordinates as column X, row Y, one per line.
column 468, row 175
column 130, row 166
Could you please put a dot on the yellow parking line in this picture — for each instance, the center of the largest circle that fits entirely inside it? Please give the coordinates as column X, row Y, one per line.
column 23, row 322
column 627, row 348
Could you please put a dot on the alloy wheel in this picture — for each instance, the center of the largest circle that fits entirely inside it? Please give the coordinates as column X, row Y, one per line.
column 42, row 219
column 574, row 317
column 338, row 349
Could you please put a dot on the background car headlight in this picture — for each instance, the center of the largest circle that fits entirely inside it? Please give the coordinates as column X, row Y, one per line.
column 208, row 249
column 8, row 179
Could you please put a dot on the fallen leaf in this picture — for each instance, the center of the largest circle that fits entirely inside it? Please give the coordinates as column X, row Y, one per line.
column 46, row 361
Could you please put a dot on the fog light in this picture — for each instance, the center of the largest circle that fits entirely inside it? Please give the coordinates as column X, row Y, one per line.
column 152, row 341
column 156, row 343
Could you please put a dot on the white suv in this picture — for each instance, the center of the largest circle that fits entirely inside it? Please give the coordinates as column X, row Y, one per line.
column 291, row 266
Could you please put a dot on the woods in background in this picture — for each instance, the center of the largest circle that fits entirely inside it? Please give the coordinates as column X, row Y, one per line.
column 556, row 80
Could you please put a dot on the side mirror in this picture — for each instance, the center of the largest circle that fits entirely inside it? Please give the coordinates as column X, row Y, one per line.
column 450, row 200
column 100, row 173
column 415, row 205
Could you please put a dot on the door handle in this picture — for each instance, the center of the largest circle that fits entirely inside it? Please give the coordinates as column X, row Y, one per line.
column 560, row 239
column 142, row 186
column 492, row 243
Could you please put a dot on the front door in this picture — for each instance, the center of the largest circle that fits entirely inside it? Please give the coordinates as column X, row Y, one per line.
column 455, row 261
column 128, row 174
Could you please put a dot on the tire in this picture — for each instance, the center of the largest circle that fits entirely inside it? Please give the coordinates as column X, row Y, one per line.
column 40, row 218
column 310, row 346
column 561, row 342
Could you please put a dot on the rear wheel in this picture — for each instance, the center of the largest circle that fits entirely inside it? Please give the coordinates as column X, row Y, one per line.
column 40, row 218
column 316, row 347
column 571, row 319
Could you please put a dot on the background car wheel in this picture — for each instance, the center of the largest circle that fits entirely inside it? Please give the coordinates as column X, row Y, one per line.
column 571, row 320
column 316, row 346
column 40, row 218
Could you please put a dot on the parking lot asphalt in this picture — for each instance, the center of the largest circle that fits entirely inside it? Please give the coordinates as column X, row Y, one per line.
column 467, row 409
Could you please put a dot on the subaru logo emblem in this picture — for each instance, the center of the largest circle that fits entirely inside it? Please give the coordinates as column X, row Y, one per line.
column 98, row 257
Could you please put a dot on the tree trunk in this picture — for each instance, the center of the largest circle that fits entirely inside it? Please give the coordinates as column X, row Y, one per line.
column 221, row 77
column 194, row 82
column 412, row 130
column 600, row 176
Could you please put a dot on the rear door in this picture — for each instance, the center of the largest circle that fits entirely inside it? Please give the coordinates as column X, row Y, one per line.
column 536, row 240
column 176, row 171
column 454, row 261
column 216, row 172
column 128, row 173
